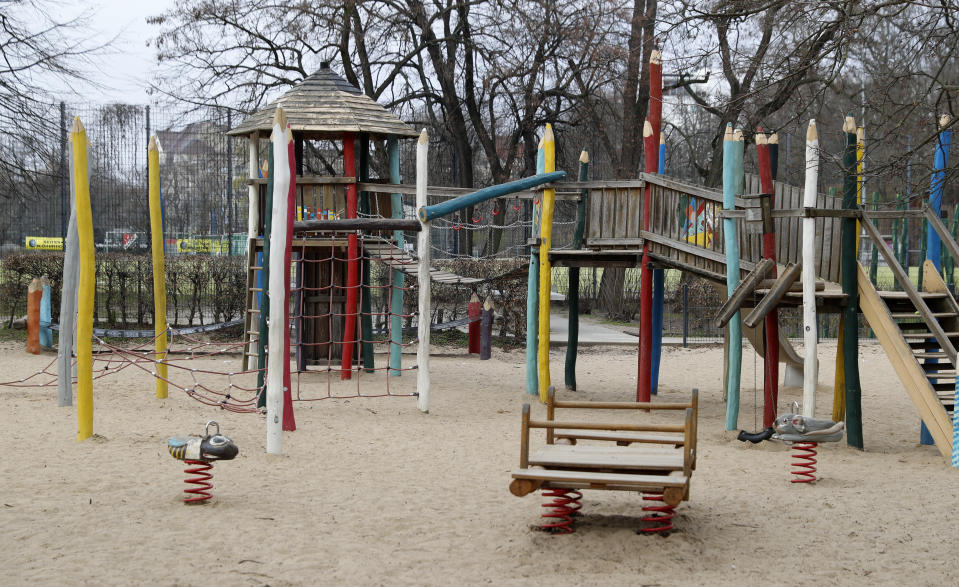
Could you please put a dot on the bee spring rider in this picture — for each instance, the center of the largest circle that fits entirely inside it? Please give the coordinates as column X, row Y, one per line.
column 200, row 453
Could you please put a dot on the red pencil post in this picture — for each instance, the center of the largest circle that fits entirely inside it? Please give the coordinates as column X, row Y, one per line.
column 771, row 321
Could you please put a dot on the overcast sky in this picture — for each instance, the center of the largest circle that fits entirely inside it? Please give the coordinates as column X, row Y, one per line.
column 126, row 68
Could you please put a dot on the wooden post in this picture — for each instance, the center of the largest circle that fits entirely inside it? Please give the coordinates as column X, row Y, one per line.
column 486, row 330
column 397, row 277
column 850, row 344
column 44, row 334
column 734, row 329
column 87, row 287
column 159, row 269
column 366, row 302
column 278, row 285
column 474, row 310
column 771, row 321
column 643, row 390
column 423, row 279
column 289, row 424
column 34, row 293
column 265, row 278
column 353, row 263
column 860, row 154
column 659, row 275
column 548, row 197
column 809, row 248
column 874, row 258
column 572, row 344
column 532, row 299
column 253, row 192
column 68, row 302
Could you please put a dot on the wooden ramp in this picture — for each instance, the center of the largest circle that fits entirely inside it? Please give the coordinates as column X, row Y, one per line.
column 400, row 260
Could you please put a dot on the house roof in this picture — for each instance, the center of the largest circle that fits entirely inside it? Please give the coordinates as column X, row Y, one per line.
column 324, row 105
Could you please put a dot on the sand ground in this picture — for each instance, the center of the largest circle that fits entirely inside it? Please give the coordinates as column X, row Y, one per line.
column 370, row 491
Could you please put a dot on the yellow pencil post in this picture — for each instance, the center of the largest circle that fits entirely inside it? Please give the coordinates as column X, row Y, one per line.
column 81, row 184
column 159, row 268
column 839, row 388
column 545, row 281
column 860, row 151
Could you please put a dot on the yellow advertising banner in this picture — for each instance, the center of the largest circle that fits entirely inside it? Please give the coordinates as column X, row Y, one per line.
column 44, row 243
column 202, row 245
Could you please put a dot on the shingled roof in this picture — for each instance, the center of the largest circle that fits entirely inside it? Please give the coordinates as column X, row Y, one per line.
column 324, row 105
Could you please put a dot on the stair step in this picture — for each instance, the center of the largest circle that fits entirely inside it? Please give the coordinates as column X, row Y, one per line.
column 915, row 315
column 942, row 375
column 901, row 295
column 934, row 355
column 920, row 336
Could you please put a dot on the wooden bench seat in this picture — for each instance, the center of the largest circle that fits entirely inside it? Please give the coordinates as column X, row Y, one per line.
column 674, row 487
column 615, row 458
column 618, row 436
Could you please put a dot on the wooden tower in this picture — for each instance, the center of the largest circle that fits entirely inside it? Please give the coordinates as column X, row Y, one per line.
column 323, row 107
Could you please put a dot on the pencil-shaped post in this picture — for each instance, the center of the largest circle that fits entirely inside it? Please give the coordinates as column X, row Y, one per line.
column 278, row 289
column 423, row 279
column 353, row 261
column 849, row 284
column 548, row 196
column 771, row 321
column 289, row 424
column 809, row 247
column 659, row 275
column 159, row 269
column 68, row 302
column 265, row 256
column 87, row 287
column 532, row 285
column 398, row 278
column 735, row 356
column 643, row 389
column 572, row 346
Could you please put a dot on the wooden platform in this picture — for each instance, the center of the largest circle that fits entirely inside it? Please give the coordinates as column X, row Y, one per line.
column 403, row 261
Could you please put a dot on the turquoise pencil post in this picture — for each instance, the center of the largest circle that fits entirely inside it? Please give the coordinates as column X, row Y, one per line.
column 730, row 148
column 532, row 294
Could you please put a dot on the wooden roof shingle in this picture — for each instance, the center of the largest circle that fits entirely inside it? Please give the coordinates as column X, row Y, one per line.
column 324, row 105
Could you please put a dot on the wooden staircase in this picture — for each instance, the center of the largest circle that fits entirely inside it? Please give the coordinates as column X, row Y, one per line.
column 919, row 332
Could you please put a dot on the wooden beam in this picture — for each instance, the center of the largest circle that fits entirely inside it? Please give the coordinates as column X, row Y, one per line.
column 775, row 294
column 354, row 224
column 742, row 291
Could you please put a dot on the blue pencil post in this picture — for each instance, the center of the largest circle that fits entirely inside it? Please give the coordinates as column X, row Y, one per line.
column 46, row 335
column 732, row 155
column 659, row 290
column 933, row 242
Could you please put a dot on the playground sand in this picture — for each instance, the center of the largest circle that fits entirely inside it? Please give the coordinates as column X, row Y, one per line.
column 370, row 491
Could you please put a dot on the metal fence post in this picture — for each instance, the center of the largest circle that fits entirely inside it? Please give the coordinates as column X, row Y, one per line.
column 229, row 176
column 685, row 313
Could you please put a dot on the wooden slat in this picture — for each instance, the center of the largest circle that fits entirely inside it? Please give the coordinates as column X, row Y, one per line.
column 624, row 437
column 595, row 478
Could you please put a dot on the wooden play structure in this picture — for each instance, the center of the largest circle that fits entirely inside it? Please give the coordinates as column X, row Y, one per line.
column 651, row 458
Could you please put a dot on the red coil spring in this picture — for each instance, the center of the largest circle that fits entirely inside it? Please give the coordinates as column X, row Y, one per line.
column 564, row 506
column 804, row 462
column 201, row 492
column 660, row 515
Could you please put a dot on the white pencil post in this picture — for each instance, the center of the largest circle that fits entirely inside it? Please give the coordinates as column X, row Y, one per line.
column 810, row 362
column 278, row 292
column 423, row 279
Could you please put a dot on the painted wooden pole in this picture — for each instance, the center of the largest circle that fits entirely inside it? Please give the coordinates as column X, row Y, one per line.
column 264, row 280
column 289, row 423
column 159, row 269
column 548, row 197
column 850, row 344
column 423, row 279
column 486, row 330
column 532, row 299
column 34, row 294
column 353, row 263
column 809, row 248
column 860, row 154
column 277, row 288
column 771, row 321
column 45, row 335
column 474, row 310
column 366, row 301
column 572, row 344
column 398, row 278
column 68, row 302
column 735, row 355
column 874, row 257
column 488, row 193
column 659, row 295
column 87, row 287
column 644, row 380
